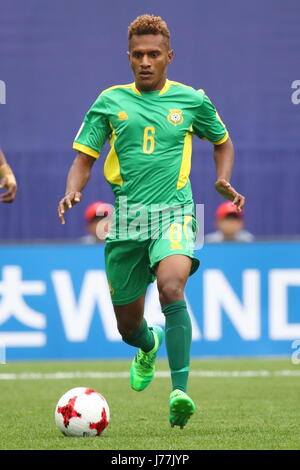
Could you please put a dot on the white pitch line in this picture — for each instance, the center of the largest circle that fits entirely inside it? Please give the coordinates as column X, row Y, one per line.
column 159, row 374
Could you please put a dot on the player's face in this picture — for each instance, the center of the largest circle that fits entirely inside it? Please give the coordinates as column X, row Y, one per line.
column 149, row 58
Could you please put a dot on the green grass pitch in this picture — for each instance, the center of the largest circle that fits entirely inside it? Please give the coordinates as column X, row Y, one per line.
column 259, row 411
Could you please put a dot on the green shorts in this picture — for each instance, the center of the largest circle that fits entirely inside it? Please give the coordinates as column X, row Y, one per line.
column 130, row 264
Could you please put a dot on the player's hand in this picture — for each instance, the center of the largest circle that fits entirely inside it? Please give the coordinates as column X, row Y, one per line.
column 9, row 183
column 67, row 202
column 227, row 191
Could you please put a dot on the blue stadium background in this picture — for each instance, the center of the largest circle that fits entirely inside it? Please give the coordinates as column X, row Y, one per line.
column 55, row 57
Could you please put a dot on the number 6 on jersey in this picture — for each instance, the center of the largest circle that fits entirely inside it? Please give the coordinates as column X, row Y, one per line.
column 149, row 142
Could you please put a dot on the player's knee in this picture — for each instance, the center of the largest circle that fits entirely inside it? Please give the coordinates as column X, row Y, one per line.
column 127, row 329
column 171, row 291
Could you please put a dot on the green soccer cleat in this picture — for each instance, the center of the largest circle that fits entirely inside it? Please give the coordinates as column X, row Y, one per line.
column 143, row 365
column 181, row 408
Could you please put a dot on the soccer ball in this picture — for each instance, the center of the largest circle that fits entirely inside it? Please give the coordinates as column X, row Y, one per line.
column 82, row 412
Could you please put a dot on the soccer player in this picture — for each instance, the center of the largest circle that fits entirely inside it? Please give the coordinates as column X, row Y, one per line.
column 150, row 124
column 7, row 180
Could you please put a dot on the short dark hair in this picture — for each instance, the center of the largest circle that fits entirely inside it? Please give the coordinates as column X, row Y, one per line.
column 149, row 24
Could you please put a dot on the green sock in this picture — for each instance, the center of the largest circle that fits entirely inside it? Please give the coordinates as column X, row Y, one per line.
column 143, row 338
column 178, row 342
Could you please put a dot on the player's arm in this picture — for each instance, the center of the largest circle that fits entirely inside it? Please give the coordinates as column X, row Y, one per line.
column 77, row 179
column 7, row 180
column 224, row 158
column 88, row 142
column 208, row 125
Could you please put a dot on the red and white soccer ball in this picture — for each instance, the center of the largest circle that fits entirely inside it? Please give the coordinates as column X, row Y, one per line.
column 82, row 412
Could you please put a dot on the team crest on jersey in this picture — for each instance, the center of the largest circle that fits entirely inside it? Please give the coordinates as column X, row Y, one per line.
column 122, row 116
column 175, row 117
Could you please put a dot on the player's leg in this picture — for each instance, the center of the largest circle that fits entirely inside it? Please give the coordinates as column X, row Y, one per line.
column 132, row 326
column 128, row 273
column 172, row 273
column 135, row 332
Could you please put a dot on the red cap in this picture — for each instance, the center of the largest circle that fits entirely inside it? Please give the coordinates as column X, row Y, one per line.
column 97, row 209
column 227, row 208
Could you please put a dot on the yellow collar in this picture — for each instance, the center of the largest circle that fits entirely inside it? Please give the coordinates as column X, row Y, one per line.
column 162, row 91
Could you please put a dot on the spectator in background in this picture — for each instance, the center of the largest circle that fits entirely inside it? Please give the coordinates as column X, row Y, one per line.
column 94, row 214
column 230, row 225
column 7, row 180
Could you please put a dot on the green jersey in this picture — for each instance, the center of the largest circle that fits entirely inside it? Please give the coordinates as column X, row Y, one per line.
column 150, row 137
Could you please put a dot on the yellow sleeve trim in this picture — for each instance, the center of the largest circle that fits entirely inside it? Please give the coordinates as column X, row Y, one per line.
column 221, row 141
column 85, row 149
